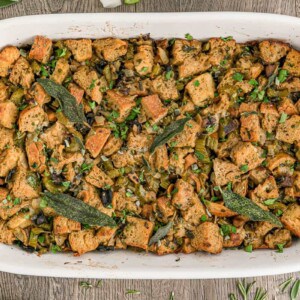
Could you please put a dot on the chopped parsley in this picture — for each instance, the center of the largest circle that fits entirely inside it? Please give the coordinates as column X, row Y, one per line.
column 283, row 118
column 196, row 83
column 238, row 77
column 282, row 75
column 188, row 37
column 244, row 168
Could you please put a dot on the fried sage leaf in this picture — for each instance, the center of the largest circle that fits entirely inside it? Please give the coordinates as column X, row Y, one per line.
column 77, row 210
column 72, row 110
column 248, row 208
column 5, row 3
column 170, row 131
column 160, row 233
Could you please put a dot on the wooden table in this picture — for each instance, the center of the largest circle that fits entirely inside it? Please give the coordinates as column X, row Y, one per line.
column 15, row 287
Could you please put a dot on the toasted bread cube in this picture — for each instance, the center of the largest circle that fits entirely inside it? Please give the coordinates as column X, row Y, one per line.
column 76, row 91
column 229, row 85
column 105, row 234
column 183, row 195
column 287, row 106
column 164, row 208
column 122, row 104
column 244, row 153
column 83, row 241
column 236, row 239
column 180, row 55
column 201, row 89
column 225, row 172
column 292, row 85
column 220, row 50
column 7, row 138
column 63, row 225
column 144, row 60
column 90, row 82
column 39, row 94
column 166, row 89
column 289, row 131
column 279, row 236
column 4, row 91
column 139, row 142
column 8, row 114
column 98, row 178
column 110, row 49
column 292, row 63
column 207, row 237
column 161, row 160
column 54, row 135
column 267, row 190
column 187, row 137
column 22, row 73
column 154, row 108
column 31, row 118
column 194, row 212
column 81, row 49
column 36, row 155
column 41, row 49
column 96, row 140
column 138, row 232
column 273, row 51
column 8, row 160
column 8, row 56
column 20, row 220
column 270, row 116
column 291, row 219
column 21, row 187
column 280, row 160
column 7, row 210
column 194, row 65
column 250, row 128
column 219, row 210
column 112, row 145
column 61, row 71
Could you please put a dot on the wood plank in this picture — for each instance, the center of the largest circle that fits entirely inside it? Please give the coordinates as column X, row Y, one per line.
column 270, row 6
column 158, row 6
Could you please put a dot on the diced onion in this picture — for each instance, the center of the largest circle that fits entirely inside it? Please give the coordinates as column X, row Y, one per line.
column 111, row 3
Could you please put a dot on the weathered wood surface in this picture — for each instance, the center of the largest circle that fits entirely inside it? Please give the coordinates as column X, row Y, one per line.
column 13, row 287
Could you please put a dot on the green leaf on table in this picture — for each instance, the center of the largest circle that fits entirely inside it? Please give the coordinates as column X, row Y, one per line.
column 5, row 3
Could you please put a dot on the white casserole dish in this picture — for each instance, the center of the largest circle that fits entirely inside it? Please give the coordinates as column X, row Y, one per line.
column 126, row 264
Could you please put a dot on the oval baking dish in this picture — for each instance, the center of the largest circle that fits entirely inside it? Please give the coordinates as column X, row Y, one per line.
column 125, row 264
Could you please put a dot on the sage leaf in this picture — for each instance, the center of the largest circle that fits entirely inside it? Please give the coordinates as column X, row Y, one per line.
column 5, row 3
column 248, row 208
column 295, row 290
column 72, row 110
column 78, row 210
column 169, row 132
column 160, row 233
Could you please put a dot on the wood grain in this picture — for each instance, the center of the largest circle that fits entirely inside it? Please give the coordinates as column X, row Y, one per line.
column 15, row 287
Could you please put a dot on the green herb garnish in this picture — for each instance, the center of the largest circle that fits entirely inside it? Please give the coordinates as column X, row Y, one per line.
column 238, row 77
column 160, row 233
column 283, row 118
column 246, row 207
column 70, row 107
column 169, row 132
column 78, row 210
